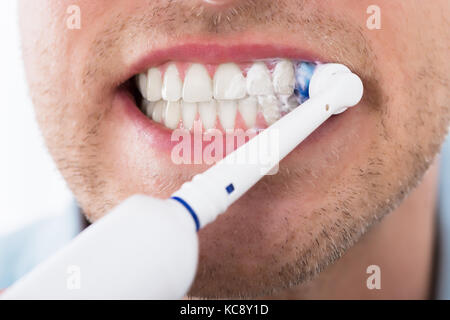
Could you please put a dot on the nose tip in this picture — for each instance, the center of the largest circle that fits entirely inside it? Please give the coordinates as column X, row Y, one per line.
column 219, row 2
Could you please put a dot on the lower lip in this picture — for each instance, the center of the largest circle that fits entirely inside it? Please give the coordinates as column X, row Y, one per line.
column 158, row 137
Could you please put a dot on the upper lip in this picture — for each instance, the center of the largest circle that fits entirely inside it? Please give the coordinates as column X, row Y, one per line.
column 215, row 53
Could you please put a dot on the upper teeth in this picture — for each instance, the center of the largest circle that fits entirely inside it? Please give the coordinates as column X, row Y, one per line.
column 197, row 84
column 174, row 101
column 172, row 87
column 284, row 78
column 229, row 82
column 259, row 81
column 154, row 85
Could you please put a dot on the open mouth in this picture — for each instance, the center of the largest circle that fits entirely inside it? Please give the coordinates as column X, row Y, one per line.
column 209, row 97
column 226, row 96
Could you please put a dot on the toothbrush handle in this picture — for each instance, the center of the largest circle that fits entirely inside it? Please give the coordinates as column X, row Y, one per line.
column 335, row 88
column 213, row 191
column 145, row 248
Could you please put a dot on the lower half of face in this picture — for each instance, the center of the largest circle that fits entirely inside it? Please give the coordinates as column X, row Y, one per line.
column 110, row 96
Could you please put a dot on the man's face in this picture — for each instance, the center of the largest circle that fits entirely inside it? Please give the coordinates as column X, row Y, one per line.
column 352, row 171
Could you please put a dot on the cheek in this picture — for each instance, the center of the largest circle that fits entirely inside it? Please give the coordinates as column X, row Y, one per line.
column 54, row 54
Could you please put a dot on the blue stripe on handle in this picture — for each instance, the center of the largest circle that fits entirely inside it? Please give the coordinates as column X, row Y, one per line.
column 230, row 188
column 191, row 211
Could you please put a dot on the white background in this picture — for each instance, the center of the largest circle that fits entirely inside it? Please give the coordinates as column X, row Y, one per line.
column 30, row 186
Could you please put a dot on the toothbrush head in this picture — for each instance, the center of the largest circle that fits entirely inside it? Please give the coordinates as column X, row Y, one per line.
column 303, row 74
column 312, row 78
column 345, row 87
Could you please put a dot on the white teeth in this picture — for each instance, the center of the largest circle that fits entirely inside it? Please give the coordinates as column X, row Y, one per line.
column 284, row 78
column 141, row 82
column 172, row 85
column 269, row 108
column 173, row 102
column 154, row 85
column 157, row 114
column 197, row 84
column 188, row 113
column 248, row 108
column 259, row 81
column 227, row 113
column 208, row 113
column 229, row 83
column 147, row 107
column 172, row 114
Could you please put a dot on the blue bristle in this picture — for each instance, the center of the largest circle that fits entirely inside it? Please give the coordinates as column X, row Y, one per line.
column 303, row 74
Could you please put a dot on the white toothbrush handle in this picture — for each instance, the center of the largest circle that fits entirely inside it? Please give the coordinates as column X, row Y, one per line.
column 212, row 192
column 145, row 248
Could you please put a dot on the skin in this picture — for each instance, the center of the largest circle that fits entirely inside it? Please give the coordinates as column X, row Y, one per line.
column 311, row 230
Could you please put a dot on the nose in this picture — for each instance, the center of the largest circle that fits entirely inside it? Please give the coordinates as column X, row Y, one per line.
column 220, row 2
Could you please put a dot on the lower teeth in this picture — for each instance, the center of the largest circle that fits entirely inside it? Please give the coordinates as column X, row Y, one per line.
column 255, row 98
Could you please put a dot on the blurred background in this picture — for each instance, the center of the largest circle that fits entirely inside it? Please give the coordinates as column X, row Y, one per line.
column 30, row 186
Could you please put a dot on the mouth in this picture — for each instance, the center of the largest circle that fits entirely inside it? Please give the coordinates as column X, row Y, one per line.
column 228, row 96
column 205, row 88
